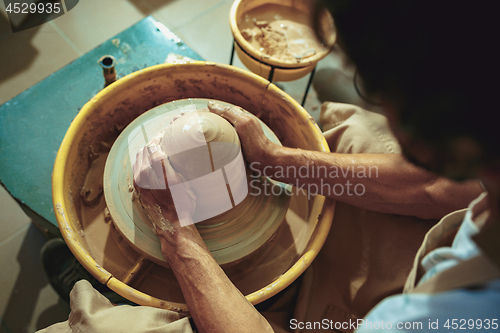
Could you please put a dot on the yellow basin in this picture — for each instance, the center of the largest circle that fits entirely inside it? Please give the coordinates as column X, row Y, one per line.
column 99, row 247
column 261, row 64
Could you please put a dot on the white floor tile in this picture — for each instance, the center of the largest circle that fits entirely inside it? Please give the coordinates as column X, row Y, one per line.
column 12, row 217
column 92, row 22
column 181, row 13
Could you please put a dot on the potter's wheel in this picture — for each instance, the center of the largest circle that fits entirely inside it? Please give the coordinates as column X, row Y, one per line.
column 230, row 236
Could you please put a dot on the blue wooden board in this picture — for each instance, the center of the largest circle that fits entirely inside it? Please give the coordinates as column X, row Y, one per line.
column 33, row 124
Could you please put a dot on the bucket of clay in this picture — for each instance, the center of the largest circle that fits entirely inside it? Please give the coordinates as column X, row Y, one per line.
column 269, row 37
column 83, row 217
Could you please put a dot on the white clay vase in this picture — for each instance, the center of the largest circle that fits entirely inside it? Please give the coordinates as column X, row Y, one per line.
column 205, row 150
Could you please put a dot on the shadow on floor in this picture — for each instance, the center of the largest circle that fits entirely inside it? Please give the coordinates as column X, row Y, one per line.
column 149, row 7
column 25, row 51
column 26, row 292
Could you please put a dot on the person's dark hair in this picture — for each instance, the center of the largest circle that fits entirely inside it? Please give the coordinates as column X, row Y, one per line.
column 433, row 61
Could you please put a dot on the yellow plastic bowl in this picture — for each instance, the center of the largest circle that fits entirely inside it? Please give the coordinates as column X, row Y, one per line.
column 259, row 63
column 120, row 103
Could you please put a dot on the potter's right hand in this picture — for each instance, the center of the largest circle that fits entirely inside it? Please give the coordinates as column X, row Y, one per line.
column 154, row 179
column 255, row 144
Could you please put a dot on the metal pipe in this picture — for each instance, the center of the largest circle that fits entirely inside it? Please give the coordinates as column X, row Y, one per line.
column 107, row 63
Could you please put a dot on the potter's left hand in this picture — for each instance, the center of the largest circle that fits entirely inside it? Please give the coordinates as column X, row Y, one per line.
column 255, row 144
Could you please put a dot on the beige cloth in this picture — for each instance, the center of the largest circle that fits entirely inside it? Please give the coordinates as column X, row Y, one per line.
column 91, row 312
column 350, row 129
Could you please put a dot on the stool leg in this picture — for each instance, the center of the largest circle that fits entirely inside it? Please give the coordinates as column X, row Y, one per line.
column 232, row 54
column 308, row 86
column 271, row 74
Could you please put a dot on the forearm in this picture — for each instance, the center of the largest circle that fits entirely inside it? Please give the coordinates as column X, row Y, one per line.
column 380, row 182
column 214, row 302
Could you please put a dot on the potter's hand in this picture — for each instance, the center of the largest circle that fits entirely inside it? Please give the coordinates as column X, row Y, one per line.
column 155, row 180
column 256, row 146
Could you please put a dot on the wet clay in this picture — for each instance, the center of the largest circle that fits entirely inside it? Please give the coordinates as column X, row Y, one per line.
column 280, row 32
column 92, row 188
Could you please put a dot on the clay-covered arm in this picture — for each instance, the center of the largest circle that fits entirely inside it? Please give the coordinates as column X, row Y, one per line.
column 215, row 304
column 385, row 183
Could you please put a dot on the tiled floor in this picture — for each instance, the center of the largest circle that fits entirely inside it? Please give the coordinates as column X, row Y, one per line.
column 27, row 302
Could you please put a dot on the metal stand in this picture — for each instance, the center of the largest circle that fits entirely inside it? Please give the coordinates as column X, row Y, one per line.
column 308, row 86
column 271, row 74
column 232, row 54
